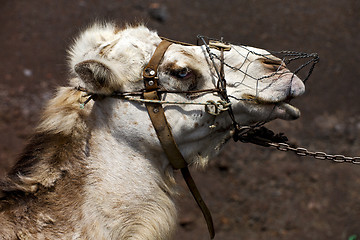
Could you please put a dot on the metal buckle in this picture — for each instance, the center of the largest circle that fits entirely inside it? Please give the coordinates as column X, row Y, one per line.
column 219, row 45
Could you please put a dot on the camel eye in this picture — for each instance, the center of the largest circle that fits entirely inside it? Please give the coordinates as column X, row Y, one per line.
column 183, row 73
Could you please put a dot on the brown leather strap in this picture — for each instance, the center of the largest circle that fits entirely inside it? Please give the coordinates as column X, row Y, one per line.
column 200, row 202
column 150, row 71
column 158, row 119
column 163, row 131
column 177, row 42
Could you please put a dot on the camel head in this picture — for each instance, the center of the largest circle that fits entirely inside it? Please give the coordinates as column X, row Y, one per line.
column 259, row 87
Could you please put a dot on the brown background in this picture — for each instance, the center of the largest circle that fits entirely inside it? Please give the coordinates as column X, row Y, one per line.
column 254, row 193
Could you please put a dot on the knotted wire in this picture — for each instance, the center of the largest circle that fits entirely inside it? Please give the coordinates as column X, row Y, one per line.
column 286, row 56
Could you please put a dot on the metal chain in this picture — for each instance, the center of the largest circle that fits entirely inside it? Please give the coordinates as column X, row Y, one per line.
column 262, row 136
column 300, row 151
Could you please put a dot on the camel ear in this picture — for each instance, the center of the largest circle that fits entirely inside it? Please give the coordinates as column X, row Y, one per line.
column 96, row 75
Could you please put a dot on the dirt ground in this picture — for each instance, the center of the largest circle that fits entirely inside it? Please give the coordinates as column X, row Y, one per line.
column 254, row 193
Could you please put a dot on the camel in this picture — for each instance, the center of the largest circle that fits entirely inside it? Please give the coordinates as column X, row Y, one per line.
column 97, row 170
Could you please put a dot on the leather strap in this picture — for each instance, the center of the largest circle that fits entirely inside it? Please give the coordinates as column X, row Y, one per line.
column 150, row 71
column 158, row 119
column 163, row 131
column 200, row 202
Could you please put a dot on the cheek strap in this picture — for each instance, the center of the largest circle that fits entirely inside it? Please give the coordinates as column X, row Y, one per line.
column 163, row 130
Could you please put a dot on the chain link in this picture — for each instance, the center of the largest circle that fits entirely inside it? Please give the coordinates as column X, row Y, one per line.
column 300, row 151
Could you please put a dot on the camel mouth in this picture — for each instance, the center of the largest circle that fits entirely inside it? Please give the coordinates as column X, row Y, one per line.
column 280, row 109
column 287, row 111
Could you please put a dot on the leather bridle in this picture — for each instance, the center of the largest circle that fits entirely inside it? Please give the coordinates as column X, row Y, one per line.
column 162, row 128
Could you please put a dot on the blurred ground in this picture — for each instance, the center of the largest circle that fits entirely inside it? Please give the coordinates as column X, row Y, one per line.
column 253, row 193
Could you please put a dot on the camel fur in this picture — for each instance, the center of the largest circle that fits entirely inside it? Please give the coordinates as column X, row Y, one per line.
column 99, row 172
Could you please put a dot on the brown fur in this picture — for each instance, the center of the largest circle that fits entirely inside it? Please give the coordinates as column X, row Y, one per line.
column 32, row 205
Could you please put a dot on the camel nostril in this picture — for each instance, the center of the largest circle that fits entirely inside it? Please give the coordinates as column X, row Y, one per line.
column 273, row 64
